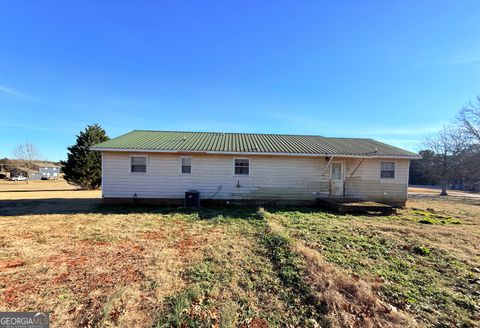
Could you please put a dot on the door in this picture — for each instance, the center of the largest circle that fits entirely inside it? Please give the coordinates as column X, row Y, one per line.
column 336, row 182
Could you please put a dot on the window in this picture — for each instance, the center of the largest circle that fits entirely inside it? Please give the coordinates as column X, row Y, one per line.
column 138, row 164
column 387, row 170
column 186, row 165
column 242, row 166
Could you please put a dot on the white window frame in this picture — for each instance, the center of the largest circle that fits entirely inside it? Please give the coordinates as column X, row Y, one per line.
column 130, row 165
column 191, row 165
column 394, row 170
column 249, row 167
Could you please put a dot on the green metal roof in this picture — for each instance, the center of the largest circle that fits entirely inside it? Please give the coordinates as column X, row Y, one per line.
column 249, row 143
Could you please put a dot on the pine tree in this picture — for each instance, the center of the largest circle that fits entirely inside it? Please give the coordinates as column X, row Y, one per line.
column 83, row 167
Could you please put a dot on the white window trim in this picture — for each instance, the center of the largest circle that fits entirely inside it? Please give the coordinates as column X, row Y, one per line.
column 249, row 167
column 394, row 170
column 191, row 165
column 130, row 165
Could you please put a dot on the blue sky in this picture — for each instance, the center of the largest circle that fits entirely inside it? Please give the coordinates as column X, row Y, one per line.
column 390, row 70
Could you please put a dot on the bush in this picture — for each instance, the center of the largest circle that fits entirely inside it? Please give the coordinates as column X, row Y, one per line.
column 421, row 250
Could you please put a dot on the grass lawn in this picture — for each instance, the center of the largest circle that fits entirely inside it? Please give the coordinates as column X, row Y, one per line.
column 91, row 265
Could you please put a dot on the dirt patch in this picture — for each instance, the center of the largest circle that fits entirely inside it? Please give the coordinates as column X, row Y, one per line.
column 256, row 323
column 11, row 264
column 186, row 245
column 83, row 267
column 13, row 294
column 154, row 235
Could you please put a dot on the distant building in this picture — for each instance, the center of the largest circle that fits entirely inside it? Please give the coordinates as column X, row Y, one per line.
column 46, row 172
column 39, row 171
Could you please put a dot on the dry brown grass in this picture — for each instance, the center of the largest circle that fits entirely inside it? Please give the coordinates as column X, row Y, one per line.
column 94, row 266
column 19, row 201
column 35, row 185
column 96, row 269
column 452, row 194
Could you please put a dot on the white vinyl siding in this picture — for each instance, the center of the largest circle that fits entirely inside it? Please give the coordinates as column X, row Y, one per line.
column 213, row 175
column 270, row 177
column 365, row 183
column 370, row 170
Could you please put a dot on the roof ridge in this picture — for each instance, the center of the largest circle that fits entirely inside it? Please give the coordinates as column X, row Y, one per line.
column 255, row 133
column 250, row 133
column 218, row 132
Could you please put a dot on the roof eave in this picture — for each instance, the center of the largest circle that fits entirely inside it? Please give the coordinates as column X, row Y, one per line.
column 413, row 156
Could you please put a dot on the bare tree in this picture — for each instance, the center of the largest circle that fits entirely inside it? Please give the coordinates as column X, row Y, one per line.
column 469, row 119
column 446, row 145
column 27, row 154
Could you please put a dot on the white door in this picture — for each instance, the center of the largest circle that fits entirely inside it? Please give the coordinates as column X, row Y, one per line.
column 336, row 182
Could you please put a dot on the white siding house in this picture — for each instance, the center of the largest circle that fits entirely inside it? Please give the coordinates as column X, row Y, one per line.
column 149, row 166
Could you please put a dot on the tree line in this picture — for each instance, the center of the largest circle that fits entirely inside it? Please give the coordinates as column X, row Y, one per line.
column 451, row 157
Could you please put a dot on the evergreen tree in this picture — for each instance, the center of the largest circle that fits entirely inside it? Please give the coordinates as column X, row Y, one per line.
column 83, row 167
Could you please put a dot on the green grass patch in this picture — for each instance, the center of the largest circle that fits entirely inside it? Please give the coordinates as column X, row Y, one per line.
column 428, row 217
column 418, row 278
column 421, row 250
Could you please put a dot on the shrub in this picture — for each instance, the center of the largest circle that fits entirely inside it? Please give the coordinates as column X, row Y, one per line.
column 421, row 250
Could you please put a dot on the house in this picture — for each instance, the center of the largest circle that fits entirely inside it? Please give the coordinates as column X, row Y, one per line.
column 37, row 171
column 17, row 171
column 230, row 168
column 46, row 171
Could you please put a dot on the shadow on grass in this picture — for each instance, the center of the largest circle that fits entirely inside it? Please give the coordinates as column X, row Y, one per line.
column 322, row 210
column 48, row 206
column 43, row 206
